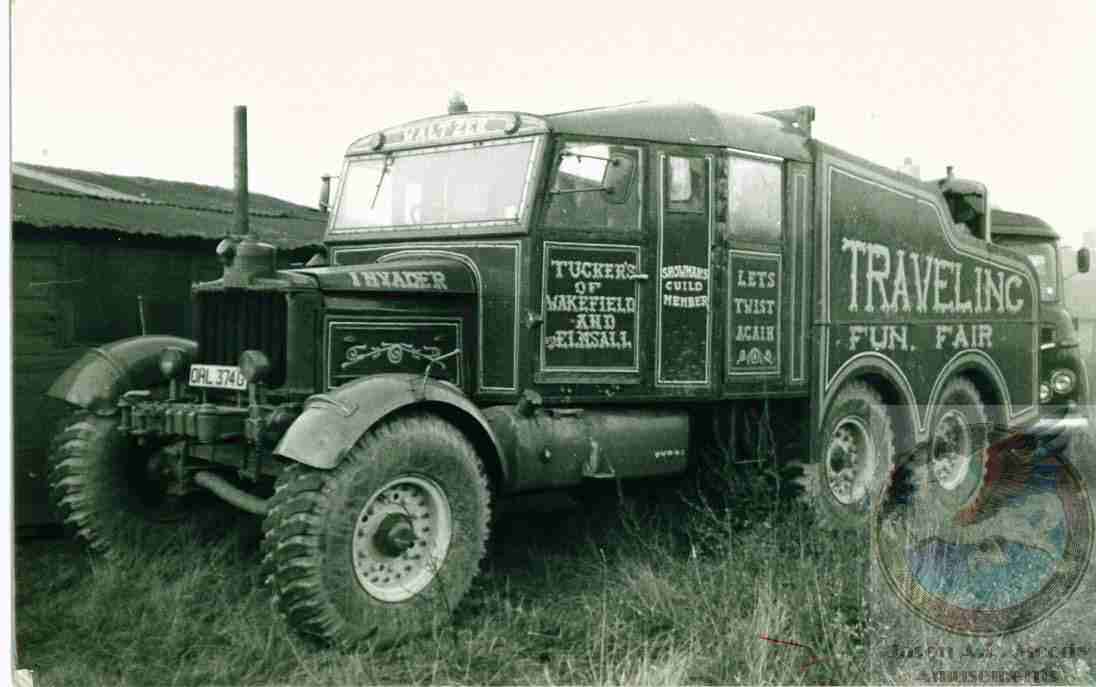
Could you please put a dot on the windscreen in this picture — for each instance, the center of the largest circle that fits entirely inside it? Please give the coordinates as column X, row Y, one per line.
column 478, row 183
column 1043, row 256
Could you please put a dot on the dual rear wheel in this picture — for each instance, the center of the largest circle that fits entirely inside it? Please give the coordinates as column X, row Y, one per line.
column 857, row 452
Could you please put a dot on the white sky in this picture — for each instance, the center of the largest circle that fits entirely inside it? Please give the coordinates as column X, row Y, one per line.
column 1002, row 90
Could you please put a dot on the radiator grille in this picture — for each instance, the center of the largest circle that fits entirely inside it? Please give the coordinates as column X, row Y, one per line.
column 230, row 322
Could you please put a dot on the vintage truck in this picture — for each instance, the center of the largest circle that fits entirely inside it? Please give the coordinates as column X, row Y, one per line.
column 510, row 303
column 1064, row 384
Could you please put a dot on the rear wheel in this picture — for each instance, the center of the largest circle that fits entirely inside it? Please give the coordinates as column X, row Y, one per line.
column 106, row 487
column 857, row 451
column 385, row 545
column 959, row 433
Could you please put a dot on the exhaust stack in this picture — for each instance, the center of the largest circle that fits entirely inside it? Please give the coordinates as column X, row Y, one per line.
column 239, row 159
column 245, row 259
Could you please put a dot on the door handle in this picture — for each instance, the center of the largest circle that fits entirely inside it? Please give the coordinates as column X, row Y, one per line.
column 639, row 277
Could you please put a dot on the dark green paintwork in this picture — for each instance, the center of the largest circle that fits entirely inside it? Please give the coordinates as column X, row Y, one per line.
column 900, row 290
column 1019, row 224
column 533, row 339
column 496, row 267
column 754, row 312
column 684, row 282
column 359, row 346
column 591, row 318
column 1058, row 338
column 685, row 124
column 433, row 275
column 670, row 298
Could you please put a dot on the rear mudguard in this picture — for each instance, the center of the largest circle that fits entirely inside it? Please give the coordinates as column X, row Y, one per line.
column 333, row 422
column 103, row 374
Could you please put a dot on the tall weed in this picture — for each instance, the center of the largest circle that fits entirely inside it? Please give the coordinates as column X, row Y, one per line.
column 677, row 584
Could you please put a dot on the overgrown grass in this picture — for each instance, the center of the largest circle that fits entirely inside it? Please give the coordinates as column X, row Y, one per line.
column 680, row 592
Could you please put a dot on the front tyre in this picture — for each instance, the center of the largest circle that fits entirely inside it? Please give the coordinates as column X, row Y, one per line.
column 385, row 545
column 107, row 487
column 857, row 451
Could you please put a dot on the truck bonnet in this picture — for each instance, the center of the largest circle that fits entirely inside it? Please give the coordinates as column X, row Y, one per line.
column 435, row 275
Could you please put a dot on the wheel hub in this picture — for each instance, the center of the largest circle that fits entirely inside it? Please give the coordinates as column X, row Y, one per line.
column 850, row 461
column 951, row 450
column 394, row 535
column 401, row 538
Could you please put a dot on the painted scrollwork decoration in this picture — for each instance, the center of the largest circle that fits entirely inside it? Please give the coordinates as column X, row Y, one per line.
column 393, row 351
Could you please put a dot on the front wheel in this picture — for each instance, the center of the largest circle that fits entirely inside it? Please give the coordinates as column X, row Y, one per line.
column 107, row 487
column 385, row 545
column 857, row 451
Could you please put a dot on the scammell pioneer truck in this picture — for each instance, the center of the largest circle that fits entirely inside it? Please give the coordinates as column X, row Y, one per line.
column 510, row 303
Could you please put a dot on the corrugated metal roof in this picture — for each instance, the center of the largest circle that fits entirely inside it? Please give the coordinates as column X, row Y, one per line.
column 55, row 198
column 686, row 123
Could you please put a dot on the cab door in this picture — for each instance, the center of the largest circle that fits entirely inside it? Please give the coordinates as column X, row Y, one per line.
column 763, row 213
column 683, row 307
column 590, row 275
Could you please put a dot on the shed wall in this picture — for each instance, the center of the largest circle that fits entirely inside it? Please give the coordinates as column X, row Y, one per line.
column 75, row 290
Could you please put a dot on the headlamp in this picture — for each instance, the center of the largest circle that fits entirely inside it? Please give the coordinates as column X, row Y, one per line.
column 1062, row 381
column 254, row 365
column 172, row 361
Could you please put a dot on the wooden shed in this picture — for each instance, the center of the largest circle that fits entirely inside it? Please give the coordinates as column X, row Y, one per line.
column 91, row 254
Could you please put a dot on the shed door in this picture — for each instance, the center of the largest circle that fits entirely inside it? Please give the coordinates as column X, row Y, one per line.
column 683, row 337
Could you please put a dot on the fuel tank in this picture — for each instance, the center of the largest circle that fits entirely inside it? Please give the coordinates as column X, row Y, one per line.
column 548, row 448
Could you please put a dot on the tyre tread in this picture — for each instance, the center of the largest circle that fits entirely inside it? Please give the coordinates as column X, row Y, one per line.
column 293, row 545
column 827, row 516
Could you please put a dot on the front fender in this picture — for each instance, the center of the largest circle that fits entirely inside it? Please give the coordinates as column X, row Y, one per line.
column 332, row 423
column 103, row 374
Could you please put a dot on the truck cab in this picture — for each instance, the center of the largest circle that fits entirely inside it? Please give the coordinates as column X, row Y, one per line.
column 600, row 239
column 1063, row 382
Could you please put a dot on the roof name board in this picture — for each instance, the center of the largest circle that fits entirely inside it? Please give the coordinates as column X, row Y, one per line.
column 449, row 129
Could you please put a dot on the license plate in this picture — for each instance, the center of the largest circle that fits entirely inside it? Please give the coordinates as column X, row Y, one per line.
column 218, row 377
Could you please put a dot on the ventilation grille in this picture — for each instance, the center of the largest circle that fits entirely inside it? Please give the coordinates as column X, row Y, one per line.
column 230, row 322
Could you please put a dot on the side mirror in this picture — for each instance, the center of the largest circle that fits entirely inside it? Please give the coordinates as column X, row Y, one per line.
column 318, row 260
column 618, row 179
column 1083, row 256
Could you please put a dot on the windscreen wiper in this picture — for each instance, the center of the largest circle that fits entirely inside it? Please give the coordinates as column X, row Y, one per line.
column 388, row 160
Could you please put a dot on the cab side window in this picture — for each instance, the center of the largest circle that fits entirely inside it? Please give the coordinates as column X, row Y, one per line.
column 595, row 186
column 687, row 185
column 754, row 199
